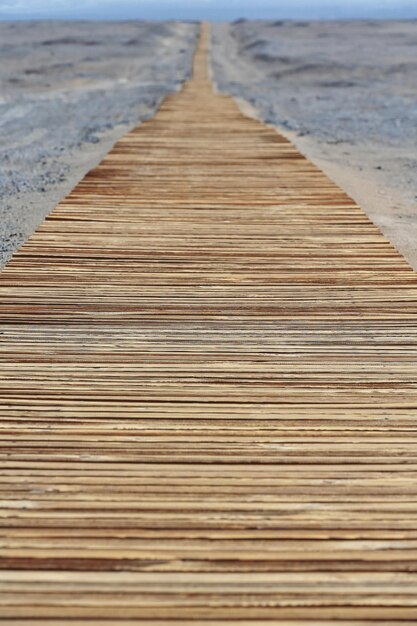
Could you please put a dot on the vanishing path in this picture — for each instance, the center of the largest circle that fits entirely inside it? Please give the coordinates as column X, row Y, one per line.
column 209, row 397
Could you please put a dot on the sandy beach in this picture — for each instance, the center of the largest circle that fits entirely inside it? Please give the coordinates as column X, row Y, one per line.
column 345, row 93
column 68, row 92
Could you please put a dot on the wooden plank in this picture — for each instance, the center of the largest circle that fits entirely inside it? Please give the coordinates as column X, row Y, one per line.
column 208, row 391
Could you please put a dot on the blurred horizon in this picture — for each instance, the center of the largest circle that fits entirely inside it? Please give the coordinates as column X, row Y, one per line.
column 211, row 10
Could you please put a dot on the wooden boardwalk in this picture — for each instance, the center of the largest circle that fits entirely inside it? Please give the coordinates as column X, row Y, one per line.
column 208, row 391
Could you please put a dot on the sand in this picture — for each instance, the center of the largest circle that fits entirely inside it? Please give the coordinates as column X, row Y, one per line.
column 345, row 93
column 68, row 92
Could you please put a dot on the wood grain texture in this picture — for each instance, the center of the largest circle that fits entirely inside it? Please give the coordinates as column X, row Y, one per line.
column 208, row 391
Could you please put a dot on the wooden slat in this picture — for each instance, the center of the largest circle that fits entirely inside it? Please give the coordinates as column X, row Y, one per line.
column 208, row 391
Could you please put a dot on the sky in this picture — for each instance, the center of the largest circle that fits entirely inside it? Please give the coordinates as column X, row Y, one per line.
column 207, row 9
